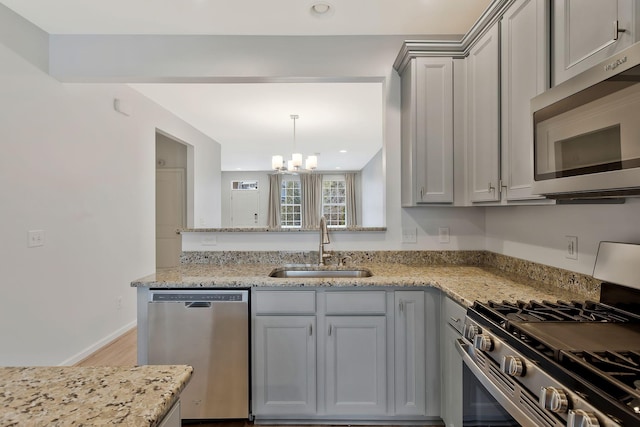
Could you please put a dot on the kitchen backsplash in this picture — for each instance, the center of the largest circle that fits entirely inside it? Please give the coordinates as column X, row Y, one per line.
column 506, row 265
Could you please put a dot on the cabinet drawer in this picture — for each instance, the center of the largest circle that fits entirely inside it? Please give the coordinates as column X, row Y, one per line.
column 356, row 302
column 453, row 313
column 285, row 302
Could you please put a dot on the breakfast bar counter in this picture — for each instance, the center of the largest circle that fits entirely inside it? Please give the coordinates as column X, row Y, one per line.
column 90, row 396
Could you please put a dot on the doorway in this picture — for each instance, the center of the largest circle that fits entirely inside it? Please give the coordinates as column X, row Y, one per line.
column 171, row 205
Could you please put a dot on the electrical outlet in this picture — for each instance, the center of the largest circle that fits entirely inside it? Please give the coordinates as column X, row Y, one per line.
column 35, row 238
column 409, row 235
column 443, row 234
column 119, row 303
column 571, row 247
column 209, row 240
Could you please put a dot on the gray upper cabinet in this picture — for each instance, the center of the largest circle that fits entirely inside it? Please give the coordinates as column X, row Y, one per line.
column 427, row 131
column 524, row 70
column 483, row 108
column 588, row 31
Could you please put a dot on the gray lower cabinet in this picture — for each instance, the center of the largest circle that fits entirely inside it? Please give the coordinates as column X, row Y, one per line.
column 172, row 418
column 356, row 365
column 410, row 368
column 451, row 329
column 284, row 377
column 345, row 354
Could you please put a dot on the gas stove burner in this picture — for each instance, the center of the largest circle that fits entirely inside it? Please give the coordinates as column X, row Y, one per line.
column 614, row 373
column 560, row 311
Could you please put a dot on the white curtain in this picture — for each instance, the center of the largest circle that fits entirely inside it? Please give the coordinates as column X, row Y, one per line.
column 273, row 214
column 350, row 186
column 311, row 188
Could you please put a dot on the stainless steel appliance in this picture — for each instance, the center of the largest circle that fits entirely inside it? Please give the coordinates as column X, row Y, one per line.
column 552, row 364
column 209, row 330
column 587, row 132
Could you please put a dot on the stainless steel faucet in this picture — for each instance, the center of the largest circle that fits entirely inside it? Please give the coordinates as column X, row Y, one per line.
column 324, row 239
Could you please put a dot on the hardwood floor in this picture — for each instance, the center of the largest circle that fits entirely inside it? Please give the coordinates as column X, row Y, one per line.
column 123, row 352
column 120, row 352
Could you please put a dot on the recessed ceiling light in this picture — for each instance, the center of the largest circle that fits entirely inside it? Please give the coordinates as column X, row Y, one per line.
column 343, row 151
column 321, row 9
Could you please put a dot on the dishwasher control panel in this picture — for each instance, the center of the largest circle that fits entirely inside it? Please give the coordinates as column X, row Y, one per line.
column 196, row 296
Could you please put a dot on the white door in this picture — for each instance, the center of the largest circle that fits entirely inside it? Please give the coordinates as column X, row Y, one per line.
column 170, row 213
column 245, row 205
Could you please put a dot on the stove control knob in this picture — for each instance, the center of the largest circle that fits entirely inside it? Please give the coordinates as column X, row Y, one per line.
column 554, row 399
column 580, row 418
column 483, row 342
column 512, row 365
column 471, row 331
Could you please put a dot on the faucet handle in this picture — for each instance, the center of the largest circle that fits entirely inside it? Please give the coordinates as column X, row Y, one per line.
column 343, row 260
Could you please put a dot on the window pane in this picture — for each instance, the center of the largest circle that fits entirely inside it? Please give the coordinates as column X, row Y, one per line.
column 334, row 203
column 290, row 202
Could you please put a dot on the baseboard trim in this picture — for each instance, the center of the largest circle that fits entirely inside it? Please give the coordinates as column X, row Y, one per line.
column 99, row 344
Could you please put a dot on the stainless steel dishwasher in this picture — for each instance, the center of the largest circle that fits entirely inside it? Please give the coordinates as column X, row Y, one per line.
column 209, row 330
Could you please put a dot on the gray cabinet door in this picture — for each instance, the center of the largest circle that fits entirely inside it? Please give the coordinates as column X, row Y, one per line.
column 584, row 33
column 410, row 385
column 451, row 328
column 524, row 75
column 356, row 365
column 427, row 131
column 284, row 379
column 483, row 89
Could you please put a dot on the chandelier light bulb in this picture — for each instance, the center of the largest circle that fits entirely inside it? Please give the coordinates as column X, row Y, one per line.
column 277, row 162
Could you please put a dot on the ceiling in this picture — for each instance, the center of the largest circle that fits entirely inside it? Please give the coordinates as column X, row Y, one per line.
column 250, row 17
column 252, row 121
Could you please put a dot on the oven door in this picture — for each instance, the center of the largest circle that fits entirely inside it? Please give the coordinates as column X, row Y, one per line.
column 479, row 407
column 484, row 404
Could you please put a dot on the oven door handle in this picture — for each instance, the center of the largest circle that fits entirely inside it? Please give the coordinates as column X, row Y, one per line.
column 507, row 404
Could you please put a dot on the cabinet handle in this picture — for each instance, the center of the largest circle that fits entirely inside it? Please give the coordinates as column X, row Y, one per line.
column 329, row 329
column 421, row 193
column 454, row 319
column 311, row 330
column 617, row 30
column 491, row 188
column 401, row 306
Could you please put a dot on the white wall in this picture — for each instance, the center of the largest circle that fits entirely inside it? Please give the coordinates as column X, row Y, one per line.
column 85, row 174
column 372, row 177
column 537, row 233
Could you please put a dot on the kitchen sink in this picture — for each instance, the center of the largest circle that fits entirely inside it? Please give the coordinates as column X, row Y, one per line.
column 319, row 272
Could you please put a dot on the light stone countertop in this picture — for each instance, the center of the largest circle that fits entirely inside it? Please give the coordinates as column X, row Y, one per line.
column 89, row 396
column 464, row 284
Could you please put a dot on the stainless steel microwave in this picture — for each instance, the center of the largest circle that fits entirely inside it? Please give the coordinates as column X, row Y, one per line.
column 586, row 132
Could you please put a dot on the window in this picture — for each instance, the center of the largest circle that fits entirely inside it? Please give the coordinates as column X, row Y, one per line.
column 290, row 204
column 334, row 202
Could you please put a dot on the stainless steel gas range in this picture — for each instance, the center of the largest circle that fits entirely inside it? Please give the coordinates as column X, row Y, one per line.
column 573, row 364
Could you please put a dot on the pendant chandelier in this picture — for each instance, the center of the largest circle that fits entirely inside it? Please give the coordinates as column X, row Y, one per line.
column 295, row 164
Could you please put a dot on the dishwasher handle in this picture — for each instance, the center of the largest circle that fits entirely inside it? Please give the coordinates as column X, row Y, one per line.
column 197, row 304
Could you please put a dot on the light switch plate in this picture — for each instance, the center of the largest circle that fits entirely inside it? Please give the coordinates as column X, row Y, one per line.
column 35, row 238
column 571, row 247
column 209, row 240
column 443, row 235
column 409, row 235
